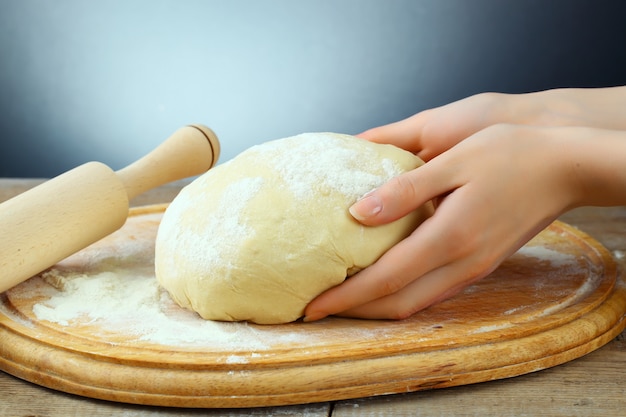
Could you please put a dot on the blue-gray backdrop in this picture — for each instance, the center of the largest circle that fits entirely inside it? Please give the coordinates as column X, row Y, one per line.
column 109, row 80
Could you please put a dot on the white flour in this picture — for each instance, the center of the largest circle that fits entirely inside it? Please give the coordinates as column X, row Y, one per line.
column 224, row 222
column 132, row 304
column 111, row 288
column 323, row 160
column 556, row 259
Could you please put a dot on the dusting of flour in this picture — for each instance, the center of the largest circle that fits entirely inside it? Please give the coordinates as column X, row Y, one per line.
column 557, row 259
column 325, row 160
column 231, row 231
column 131, row 303
column 561, row 262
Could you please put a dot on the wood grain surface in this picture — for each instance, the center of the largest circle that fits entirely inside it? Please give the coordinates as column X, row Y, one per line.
column 592, row 385
column 553, row 301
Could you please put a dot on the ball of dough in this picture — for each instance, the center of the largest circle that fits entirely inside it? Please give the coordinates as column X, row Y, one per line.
column 258, row 237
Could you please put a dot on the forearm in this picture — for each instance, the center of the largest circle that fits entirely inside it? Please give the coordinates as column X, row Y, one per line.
column 591, row 107
column 595, row 166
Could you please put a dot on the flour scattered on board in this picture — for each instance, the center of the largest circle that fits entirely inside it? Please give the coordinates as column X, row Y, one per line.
column 557, row 259
column 559, row 262
column 132, row 303
column 111, row 289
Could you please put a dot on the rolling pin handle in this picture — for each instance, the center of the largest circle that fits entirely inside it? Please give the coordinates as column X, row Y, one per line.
column 190, row 151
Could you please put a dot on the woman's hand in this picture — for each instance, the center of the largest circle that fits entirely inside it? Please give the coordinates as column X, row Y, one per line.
column 498, row 176
column 493, row 192
column 433, row 131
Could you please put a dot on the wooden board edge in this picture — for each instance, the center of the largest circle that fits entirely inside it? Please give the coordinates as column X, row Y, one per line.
column 64, row 371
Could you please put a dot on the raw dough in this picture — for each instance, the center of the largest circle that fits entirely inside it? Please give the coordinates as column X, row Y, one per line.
column 258, row 237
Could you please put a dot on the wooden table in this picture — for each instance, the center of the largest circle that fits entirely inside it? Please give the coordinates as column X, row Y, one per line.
column 594, row 385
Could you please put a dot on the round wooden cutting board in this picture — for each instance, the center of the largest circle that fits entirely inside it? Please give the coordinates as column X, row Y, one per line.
column 97, row 325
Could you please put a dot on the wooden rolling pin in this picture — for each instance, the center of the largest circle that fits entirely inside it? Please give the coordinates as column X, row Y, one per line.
column 46, row 224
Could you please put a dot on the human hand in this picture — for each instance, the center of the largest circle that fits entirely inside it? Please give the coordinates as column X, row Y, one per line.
column 433, row 131
column 497, row 178
column 493, row 192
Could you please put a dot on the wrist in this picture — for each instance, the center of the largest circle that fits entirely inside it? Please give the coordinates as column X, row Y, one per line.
column 591, row 107
column 594, row 166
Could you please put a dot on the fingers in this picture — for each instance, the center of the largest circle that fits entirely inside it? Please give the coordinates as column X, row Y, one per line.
column 434, row 244
column 404, row 134
column 429, row 289
column 434, row 131
column 404, row 194
column 388, row 275
column 492, row 193
column 430, row 246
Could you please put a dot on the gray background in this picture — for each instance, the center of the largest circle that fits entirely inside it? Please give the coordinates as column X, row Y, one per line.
column 109, row 80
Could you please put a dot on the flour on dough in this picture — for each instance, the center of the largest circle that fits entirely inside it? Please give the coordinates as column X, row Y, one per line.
column 258, row 237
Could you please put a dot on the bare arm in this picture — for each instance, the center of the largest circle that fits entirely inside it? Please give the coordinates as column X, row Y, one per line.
column 434, row 131
column 495, row 189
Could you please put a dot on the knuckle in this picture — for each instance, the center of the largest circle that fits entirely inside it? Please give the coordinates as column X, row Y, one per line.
column 403, row 189
column 486, row 265
column 504, row 130
column 491, row 103
column 489, row 98
column 404, row 313
column 462, row 242
column 391, row 286
column 481, row 265
column 404, row 309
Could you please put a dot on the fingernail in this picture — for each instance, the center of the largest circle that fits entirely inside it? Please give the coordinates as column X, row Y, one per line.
column 368, row 206
column 312, row 317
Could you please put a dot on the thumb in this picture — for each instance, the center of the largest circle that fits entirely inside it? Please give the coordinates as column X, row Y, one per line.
column 391, row 201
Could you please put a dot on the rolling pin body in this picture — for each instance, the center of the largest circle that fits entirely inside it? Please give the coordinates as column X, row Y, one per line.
column 46, row 224
column 57, row 218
